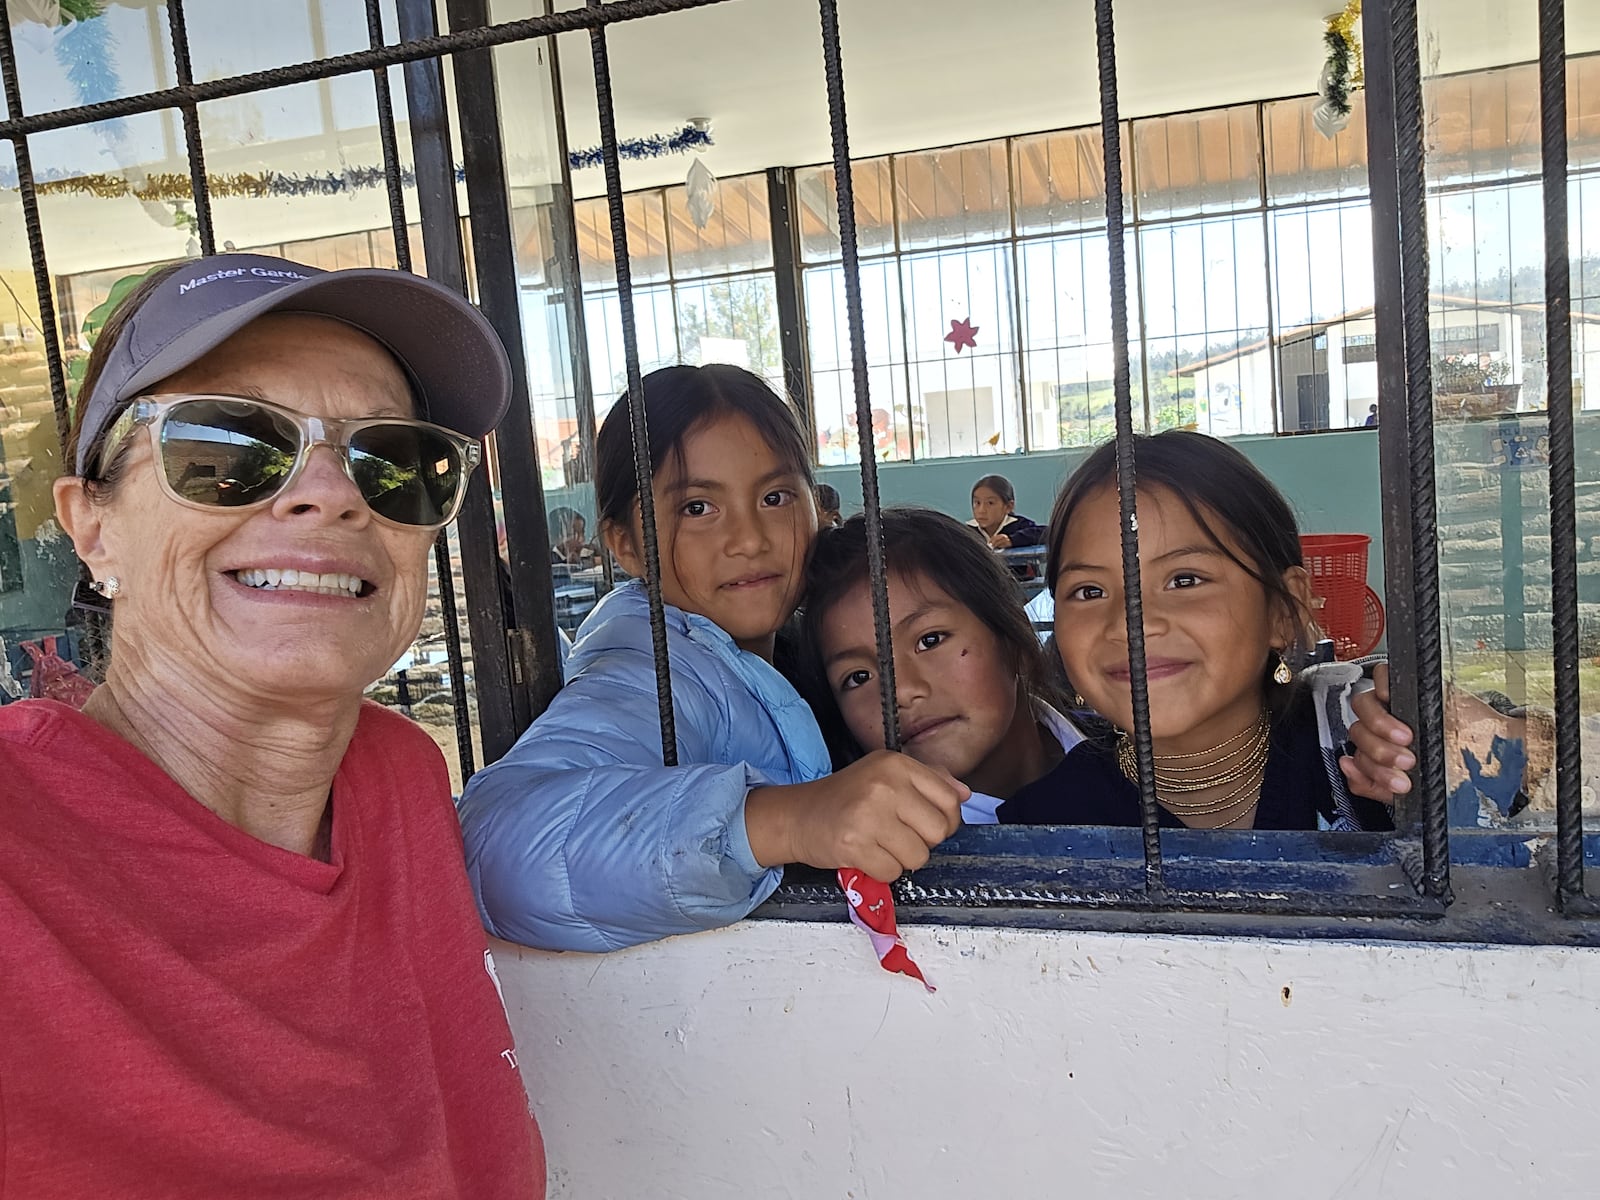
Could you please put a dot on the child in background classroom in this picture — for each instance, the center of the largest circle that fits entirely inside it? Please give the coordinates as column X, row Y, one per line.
column 828, row 507
column 580, row 838
column 994, row 514
column 1239, row 742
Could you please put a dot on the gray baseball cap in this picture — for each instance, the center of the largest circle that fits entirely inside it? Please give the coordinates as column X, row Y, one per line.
column 453, row 356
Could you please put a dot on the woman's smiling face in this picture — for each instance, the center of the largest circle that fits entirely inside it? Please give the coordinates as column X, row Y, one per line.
column 1210, row 625
column 191, row 594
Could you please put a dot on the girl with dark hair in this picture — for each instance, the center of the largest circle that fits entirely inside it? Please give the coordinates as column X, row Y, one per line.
column 579, row 838
column 1227, row 619
column 973, row 684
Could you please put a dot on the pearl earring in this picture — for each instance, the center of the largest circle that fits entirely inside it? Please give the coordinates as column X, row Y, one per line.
column 110, row 587
column 1283, row 673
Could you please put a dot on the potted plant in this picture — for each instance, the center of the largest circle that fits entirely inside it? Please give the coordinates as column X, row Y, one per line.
column 1471, row 384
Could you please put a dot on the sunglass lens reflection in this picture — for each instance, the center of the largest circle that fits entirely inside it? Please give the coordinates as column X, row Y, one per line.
column 226, row 455
column 410, row 476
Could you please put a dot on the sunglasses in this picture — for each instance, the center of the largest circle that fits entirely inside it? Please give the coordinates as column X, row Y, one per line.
column 234, row 452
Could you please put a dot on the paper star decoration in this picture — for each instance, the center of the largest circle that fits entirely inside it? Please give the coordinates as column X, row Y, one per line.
column 962, row 333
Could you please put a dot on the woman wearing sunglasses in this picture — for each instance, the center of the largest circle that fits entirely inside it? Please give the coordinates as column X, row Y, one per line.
column 239, row 953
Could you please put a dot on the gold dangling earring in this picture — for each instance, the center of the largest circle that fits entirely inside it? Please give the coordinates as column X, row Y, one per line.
column 1283, row 673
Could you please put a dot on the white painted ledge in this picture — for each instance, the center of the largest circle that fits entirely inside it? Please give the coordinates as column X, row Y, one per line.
column 775, row 1059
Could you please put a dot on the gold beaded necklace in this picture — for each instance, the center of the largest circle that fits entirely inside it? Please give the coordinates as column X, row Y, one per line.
column 1240, row 760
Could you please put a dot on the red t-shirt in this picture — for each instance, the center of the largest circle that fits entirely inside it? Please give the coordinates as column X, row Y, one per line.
column 186, row 1011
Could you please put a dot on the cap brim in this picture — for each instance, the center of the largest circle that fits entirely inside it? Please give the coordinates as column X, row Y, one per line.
column 452, row 353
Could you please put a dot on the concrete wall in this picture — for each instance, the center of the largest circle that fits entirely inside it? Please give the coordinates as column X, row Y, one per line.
column 1331, row 479
column 777, row 1060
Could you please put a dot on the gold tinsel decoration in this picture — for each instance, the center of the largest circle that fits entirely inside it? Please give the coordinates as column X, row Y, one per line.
column 1344, row 24
column 166, row 187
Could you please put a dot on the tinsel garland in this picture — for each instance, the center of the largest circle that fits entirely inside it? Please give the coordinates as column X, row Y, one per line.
column 690, row 137
column 1343, row 71
column 169, row 187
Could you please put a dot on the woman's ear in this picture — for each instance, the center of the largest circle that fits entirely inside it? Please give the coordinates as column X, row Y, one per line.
column 620, row 541
column 84, row 522
column 1299, row 616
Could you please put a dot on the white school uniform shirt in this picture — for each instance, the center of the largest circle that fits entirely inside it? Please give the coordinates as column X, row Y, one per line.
column 980, row 809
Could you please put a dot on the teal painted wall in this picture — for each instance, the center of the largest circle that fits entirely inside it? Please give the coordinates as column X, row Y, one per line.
column 1330, row 479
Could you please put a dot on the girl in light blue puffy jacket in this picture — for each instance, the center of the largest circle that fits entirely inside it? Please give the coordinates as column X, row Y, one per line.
column 580, row 839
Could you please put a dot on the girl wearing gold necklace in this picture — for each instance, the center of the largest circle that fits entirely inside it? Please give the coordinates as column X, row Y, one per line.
column 1227, row 618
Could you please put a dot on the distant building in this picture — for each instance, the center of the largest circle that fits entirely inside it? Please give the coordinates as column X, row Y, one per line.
column 1328, row 371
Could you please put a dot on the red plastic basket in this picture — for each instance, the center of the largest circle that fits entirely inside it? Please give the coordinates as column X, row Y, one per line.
column 1349, row 611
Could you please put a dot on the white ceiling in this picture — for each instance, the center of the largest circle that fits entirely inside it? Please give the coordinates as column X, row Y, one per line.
column 926, row 73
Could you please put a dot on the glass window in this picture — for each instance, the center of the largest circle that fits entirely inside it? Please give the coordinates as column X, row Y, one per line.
column 816, row 210
column 647, row 239
column 655, row 326
column 732, row 321
column 1482, row 126
column 1059, row 181
column 832, row 381
column 1323, row 303
column 1195, row 164
column 952, row 197
column 1583, row 111
column 1066, row 340
column 1208, row 360
column 962, row 352
column 736, row 237
column 1302, row 165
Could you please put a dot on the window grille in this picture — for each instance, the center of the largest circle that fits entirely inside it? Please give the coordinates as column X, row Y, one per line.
column 1224, row 876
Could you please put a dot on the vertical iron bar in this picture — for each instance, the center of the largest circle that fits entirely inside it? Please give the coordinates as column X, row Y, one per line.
column 1111, row 137
column 564, row 240
column 394, row 185
column 191, row 128
column 636, row 414
column 1394, row 431
column 1563, row 478
column 492, row 669
column 791, row 311
column 833, row 70
column 1413, row 227
column 531, row 640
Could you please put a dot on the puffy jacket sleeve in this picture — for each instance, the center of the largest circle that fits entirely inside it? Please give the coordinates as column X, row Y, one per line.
column 579, row 838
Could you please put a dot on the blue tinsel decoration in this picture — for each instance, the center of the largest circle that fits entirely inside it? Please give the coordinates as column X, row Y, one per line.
column 686, row 139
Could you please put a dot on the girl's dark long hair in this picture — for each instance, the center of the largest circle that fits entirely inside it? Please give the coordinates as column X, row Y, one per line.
column 676, row 400
column 919, row 544
column 1218, row 485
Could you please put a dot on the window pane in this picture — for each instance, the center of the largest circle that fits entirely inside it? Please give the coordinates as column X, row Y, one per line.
column 647, row 239
column 1327, row 360
column 1483, row 126
column 1583, row 111
column 952, row 197
column 737, row 237
column 1197, row 163
column 817, row 210
column 964, row 401
column 1060, row 180
column 656, row 329
column 1209, row 363
column 1066, row 340
column 1303, row 165
column 832, row 382
column 732, row 321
